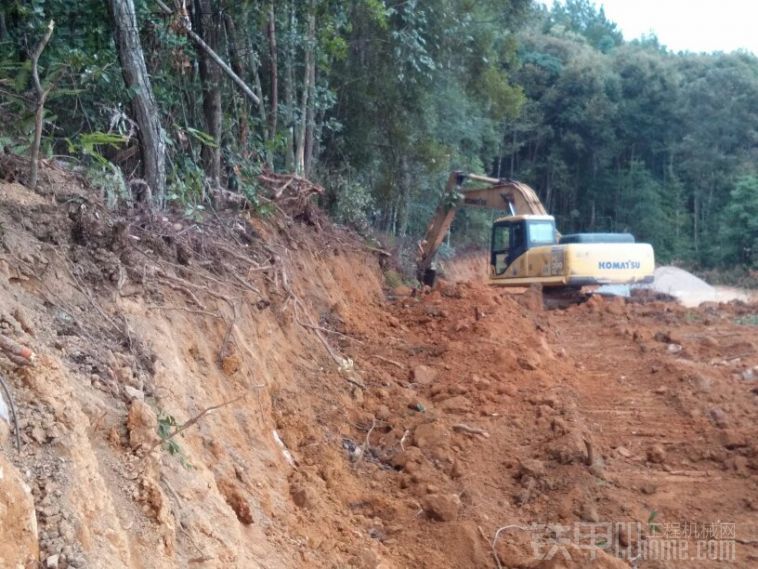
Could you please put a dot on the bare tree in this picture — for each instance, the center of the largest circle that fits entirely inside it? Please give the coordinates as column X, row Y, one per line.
column 42, row 94
column 307, row 95
column 144, row 106
column 274, row 70
column 289, row 90
column 238, row 66
column 207, row 23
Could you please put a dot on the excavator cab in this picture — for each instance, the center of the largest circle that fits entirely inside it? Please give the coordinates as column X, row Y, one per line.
column 511, row 237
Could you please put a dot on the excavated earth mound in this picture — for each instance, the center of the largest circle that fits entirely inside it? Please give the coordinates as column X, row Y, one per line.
column 239, row 392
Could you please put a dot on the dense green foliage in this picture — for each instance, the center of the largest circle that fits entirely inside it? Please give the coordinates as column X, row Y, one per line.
column 614, row 135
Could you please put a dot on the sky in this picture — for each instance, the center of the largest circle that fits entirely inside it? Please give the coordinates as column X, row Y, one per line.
column 687, row 25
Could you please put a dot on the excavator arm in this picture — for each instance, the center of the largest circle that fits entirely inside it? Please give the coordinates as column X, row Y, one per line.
column 490, row 193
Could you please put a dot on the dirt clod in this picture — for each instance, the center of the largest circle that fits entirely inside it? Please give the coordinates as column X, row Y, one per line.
column 656, row 454
column 424, row 375
column 142, row 425
column 442, row 507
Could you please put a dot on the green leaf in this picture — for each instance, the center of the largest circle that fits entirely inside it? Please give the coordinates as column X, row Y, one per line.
column 202, row 137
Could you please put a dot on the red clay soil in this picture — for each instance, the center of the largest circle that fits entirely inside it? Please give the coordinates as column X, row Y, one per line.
column 480, row 410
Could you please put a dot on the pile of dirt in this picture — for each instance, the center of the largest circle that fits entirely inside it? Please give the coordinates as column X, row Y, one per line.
column 239, row 392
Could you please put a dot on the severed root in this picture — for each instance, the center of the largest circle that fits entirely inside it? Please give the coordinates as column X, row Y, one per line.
column 590, row 460
column 15, row 352
column 472, row 431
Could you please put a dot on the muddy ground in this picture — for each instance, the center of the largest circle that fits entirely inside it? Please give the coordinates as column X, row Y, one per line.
column 243, row 392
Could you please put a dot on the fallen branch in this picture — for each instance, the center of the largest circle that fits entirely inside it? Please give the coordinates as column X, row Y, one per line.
column 185, row 283
column 13, row 412
column 367, row 443
column 466, row 429
column 402, row 439
column 497, row 536
column 244, row 283
column 184, row 290
column 340, row 334
column 381, row 252
column 185, row 309
column 186, row 27
column 389, row 361
column 355, row 382
column 193, row 421
column 234, row 254
column 280, row 191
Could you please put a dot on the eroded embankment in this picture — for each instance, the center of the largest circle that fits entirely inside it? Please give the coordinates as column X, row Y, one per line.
column 140, row 325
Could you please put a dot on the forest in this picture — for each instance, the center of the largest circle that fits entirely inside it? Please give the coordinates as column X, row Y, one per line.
column 378, row 100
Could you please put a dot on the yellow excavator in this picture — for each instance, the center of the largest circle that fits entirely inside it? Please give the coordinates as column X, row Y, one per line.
column 527, row 249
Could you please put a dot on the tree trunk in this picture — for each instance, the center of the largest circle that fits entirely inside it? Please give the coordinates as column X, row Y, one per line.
column 310, row 114
column 255, row 70
column 3, row 28
column 289, row 93
column 39, row 115
column 208, row 26
column 239, row 68
column 144, row 107
column 274, row 71
column 513, row 154
column 305, row 101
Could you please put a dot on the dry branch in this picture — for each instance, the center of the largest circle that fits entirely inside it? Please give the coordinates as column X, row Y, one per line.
column 321, row 329
column 402, row 439
column 185, row 309
column 389, row 361
column 367, row 443
column 244, row 283
column 186, row 27
column 497, row 536
column 468, row 430
column 184, row 290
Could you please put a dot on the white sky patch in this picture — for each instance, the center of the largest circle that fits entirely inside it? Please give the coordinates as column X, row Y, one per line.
column 687, row 25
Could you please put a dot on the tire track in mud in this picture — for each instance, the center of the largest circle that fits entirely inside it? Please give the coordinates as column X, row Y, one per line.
column 662, row 453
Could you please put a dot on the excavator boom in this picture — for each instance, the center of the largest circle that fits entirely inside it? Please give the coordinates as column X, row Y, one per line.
column 495, row 194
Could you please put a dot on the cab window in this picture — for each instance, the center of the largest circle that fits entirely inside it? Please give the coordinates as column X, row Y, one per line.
column 518, row 244
column 501, row 238
column 541, row 233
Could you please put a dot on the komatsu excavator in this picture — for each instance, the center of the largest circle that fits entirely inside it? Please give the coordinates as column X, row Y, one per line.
column 527, row 249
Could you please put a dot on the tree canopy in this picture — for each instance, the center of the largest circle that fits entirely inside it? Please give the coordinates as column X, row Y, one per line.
column 380, row 99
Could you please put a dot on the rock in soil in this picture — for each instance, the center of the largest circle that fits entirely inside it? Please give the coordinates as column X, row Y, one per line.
column 442, row 507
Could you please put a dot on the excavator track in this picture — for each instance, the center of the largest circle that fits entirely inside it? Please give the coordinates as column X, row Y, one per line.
column 555, row 298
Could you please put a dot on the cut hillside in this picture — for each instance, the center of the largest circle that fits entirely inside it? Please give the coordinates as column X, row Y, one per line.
column 237, row 391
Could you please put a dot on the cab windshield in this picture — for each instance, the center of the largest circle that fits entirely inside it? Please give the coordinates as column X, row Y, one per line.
column 541, row 233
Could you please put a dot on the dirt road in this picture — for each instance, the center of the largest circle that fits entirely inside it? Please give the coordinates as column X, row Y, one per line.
column 633, row 420
column 673, row 425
